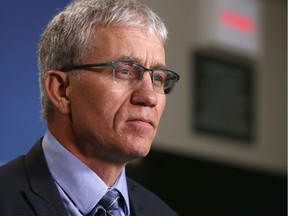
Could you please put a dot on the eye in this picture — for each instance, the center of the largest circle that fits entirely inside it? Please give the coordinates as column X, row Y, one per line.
column 124, row 71
column 158, row 78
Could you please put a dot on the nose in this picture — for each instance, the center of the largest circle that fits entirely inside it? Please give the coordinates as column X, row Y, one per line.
column 144, row 93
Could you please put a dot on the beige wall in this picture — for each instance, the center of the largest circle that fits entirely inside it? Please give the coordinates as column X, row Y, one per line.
column 268, row 149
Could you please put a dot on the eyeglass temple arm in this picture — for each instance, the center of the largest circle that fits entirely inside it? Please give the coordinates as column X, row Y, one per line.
column 79, row 67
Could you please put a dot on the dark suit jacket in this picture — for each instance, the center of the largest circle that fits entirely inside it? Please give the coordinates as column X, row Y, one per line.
column 27, row 189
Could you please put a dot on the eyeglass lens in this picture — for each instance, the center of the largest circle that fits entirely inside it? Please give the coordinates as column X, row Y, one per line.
column 129, row 74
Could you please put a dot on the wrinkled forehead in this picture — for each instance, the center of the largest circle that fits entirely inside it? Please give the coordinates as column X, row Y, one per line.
column 115, row 43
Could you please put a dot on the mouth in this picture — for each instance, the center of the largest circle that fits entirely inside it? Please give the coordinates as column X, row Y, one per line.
column 142, row 121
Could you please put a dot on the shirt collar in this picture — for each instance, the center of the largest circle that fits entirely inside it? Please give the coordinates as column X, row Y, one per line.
column 83, row 186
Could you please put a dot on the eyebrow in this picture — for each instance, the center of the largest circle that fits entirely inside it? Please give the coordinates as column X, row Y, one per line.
column 138, row 61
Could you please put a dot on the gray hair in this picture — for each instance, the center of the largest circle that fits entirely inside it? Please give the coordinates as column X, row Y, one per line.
column 65, row 41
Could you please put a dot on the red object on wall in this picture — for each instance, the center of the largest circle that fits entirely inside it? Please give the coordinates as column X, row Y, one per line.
column 236, row 20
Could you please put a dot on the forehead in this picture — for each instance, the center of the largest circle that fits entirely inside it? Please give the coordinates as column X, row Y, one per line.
column 112, row 43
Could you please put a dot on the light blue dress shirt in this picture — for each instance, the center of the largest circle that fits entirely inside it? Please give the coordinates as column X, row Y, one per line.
column 80, row 188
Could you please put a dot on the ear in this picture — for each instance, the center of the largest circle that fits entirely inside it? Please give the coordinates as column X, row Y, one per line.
column 57, row 89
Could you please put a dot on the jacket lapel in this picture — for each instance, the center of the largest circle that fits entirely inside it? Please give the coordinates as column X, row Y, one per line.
column 44, row 196
column 136, row 206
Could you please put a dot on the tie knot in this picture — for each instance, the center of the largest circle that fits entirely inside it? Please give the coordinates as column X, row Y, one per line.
column 110, row 201
column 110, row 204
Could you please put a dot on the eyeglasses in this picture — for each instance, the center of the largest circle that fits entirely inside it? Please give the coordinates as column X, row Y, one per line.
column 129, row 73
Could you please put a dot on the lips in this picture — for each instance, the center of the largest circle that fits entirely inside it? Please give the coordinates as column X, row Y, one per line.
column 143, row 120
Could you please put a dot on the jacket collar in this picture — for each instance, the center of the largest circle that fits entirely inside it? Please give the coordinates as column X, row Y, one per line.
column 44, row 196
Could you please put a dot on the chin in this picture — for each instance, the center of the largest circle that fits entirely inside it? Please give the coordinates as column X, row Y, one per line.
column 134, row 147
column 139, row 150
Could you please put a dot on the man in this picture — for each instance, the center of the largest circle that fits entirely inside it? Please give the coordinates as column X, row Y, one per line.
column 102, row 105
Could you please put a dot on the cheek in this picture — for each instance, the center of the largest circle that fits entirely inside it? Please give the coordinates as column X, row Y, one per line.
column 91, row 103
column 107, row 108
column 161, row 105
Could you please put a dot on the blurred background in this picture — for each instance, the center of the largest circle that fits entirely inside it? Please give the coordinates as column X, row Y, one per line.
column 221, row 148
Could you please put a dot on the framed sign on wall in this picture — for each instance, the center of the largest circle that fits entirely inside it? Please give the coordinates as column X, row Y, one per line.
column 223, row 94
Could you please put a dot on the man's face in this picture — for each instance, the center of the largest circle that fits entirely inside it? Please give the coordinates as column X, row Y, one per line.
column 112, row 121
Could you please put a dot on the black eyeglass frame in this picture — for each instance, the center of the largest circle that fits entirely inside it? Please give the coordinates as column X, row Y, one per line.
column 113, row 63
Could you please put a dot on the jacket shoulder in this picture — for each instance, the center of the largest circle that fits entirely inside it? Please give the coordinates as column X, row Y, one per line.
column 12, row 174
column 13, row 184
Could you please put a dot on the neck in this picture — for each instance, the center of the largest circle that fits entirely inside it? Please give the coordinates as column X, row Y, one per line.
column 97, row 158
